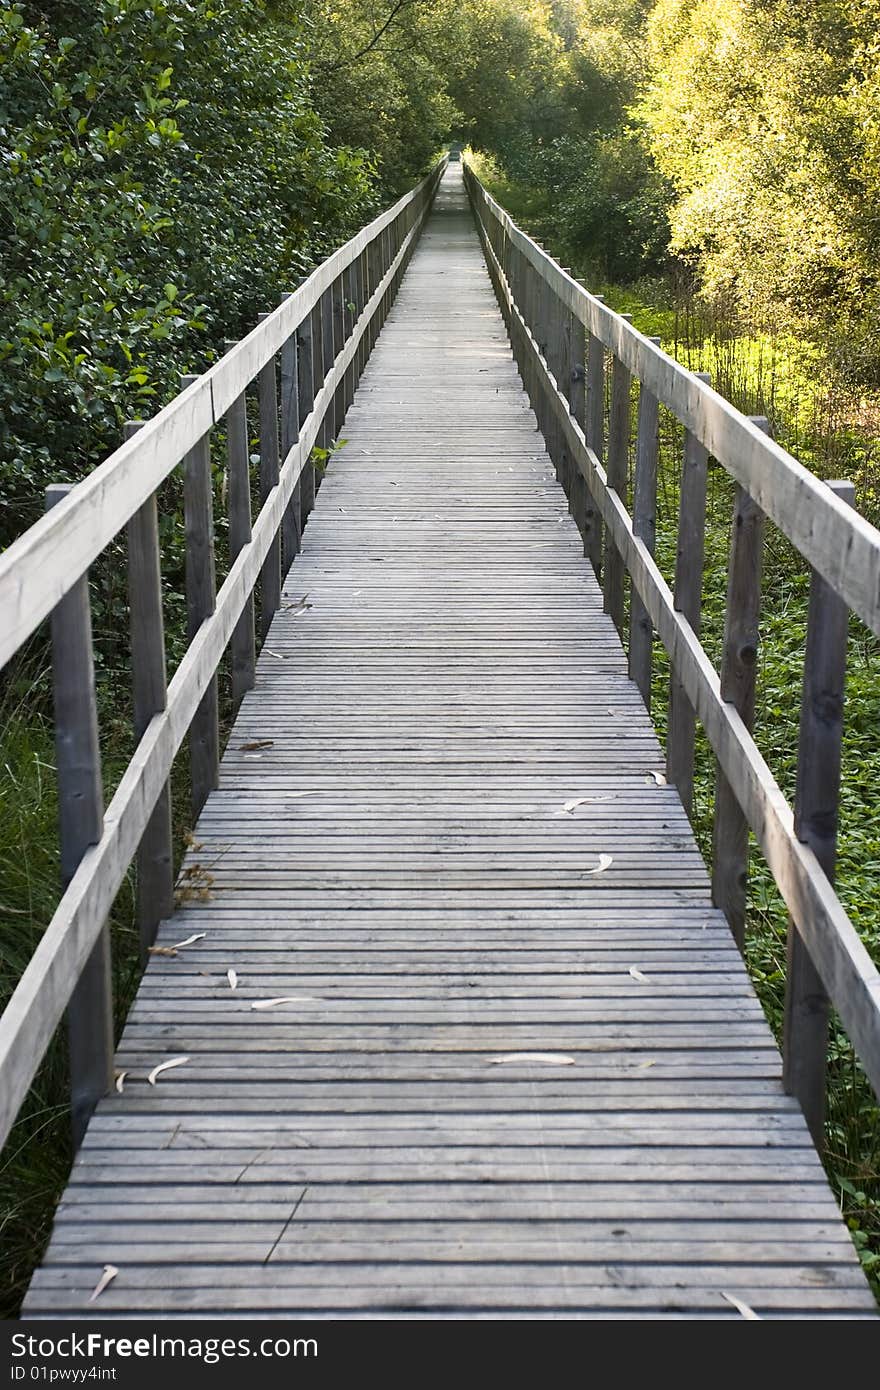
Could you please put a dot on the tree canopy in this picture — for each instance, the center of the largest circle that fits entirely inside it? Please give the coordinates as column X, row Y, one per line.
column 170, row 166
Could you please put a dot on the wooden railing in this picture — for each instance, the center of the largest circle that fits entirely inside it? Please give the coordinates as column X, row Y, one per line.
column 321, row 336
column 565, row 341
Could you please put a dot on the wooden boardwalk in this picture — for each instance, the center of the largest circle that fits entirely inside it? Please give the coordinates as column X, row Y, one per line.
column 438, row 838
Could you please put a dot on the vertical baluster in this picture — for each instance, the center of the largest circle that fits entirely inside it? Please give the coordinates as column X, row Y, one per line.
column 242, row 645
column 577, row 404
column 596, row 442
column 270, row 575
column 349, row 315
column 290, row 524
column 372, row 255
column 617, row 472
column 201, row 586
column 641, row 632
column 328, row 344
column 155, row 857
column 730, row 837
column 80, row 825
column 566, row 330
column 339, row 336
column 306, row 395
column 530, row 290
column 542, row 320
column 805, row 1029
column 681, row 727
column 361, row 298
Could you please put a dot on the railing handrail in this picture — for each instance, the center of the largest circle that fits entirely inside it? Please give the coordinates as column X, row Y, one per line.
column 43, row 564
column 54, row 555
column 838, row 543
column 832, row 537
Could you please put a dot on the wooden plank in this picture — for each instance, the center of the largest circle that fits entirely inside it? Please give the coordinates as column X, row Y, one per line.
column 270, row 577
column 155, row 856
column 687, row 598
column 816, row 808
column 644, row 516
column 243, row 646
column 198, row 510
column 291, row 526
column 305, row 364
column 617, row 473
column 80, row 825
column 595, row 433
column 730, row 828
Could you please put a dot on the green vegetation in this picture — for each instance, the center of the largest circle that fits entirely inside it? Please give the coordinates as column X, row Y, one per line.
column 169, row 167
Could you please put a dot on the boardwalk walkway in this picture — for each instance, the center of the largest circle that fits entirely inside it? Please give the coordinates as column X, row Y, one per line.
column 389, row 851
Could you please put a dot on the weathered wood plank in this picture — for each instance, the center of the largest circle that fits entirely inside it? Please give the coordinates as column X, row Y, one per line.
column 816, row 808
column 155, row 856
column 80, row 825
column 384, row 1139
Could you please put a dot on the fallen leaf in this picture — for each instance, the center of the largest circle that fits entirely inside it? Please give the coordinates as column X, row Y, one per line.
column 742, row 1308
column 643, row 1066
column 297, row 603
column 571, row 806
column 555, row 1059
column 637, row 975
column 292, row 794
column 658, row 778
column 110, row 1273
column 120, row 1081
column 285, row 999
column 605, row 862
column 232, row 978
column 161, row 951
column 277, row 655
column 256, row 743
column 165, row 1066
column 190, row 941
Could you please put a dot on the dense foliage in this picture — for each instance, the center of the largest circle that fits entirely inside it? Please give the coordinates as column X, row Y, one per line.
column 164, row 175
column 169, row 167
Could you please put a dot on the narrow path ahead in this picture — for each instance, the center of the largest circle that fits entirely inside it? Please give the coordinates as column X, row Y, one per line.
column 438, row 838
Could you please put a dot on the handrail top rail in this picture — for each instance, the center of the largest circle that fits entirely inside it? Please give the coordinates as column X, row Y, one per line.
column 43, row 564
column 839, row 543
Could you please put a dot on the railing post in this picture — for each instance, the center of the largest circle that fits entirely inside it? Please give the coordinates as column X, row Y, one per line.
column 617, row 473
column 290, row 523
column 577, row 404
column 681, row 726
column 565, row 328
column 339, row 337
column 306, row 396
column 81, row 824
column 805, row 1027
column 270, row 575
column 201, row 588
column 555, row 355
column 155, row 856
column 242, row 646
column 328, row 344
column 730, row 835
column 596, row 442
column 644, row 514
column 349, row 315
column 361, row 299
